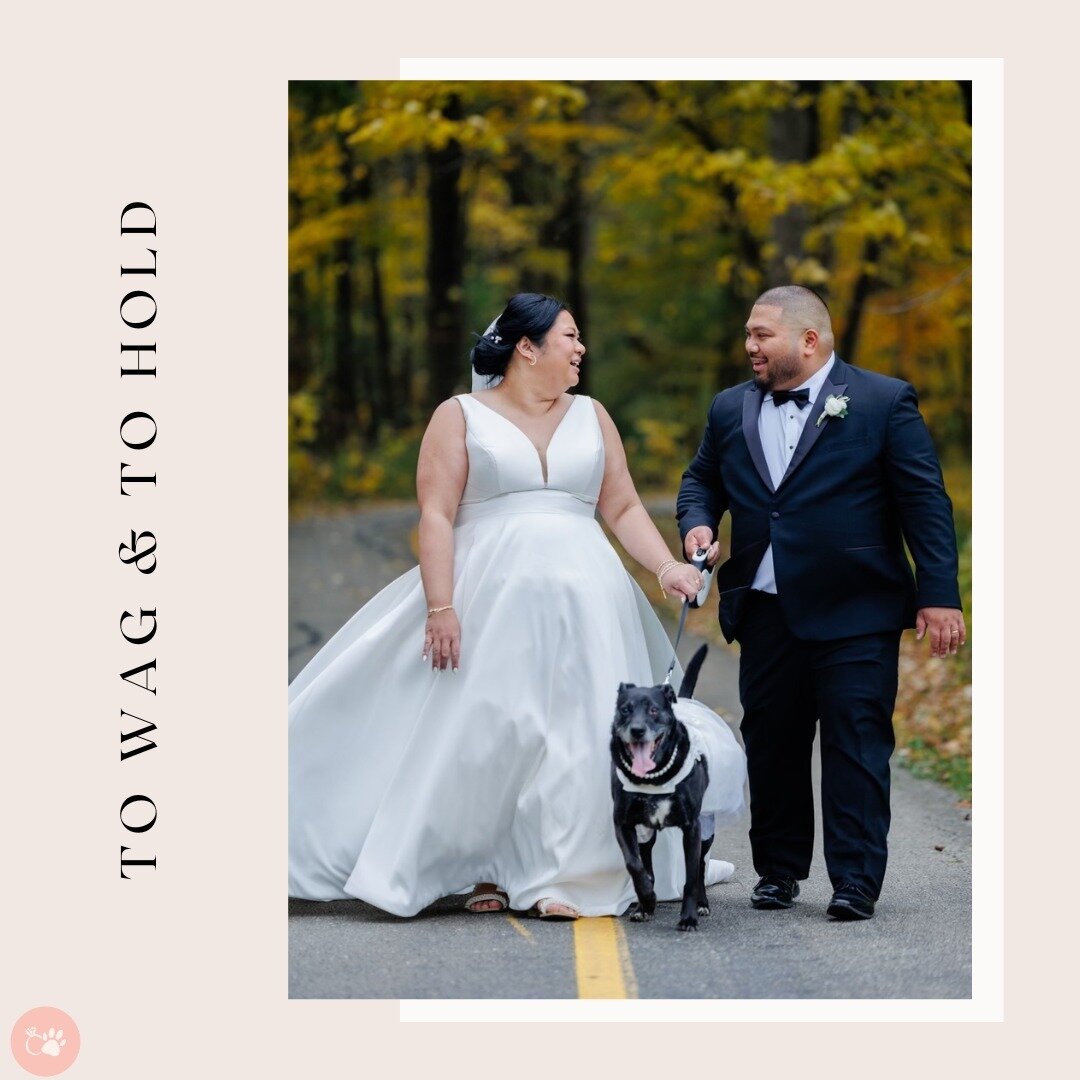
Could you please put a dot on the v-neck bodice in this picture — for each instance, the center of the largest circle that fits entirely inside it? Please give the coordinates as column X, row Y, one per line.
column 503, row 459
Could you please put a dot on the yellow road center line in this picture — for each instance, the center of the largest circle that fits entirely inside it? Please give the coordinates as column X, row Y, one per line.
column 602, row 960
column 524, row 931
column 629, row 980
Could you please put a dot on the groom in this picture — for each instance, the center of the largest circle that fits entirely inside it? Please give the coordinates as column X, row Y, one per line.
column 826, row 470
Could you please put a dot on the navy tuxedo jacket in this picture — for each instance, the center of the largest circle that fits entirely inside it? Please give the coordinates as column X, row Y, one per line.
column 856, row 489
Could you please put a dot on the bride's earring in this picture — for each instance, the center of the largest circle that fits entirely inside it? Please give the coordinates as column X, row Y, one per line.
column 532, row 362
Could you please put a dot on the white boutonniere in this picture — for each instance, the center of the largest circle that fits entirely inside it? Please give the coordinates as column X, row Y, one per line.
column 834, row 406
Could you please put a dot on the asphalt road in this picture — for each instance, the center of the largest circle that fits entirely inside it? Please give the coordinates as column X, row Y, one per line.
column 918, row 945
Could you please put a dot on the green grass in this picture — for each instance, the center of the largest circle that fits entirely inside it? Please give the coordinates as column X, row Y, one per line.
column 929, row 762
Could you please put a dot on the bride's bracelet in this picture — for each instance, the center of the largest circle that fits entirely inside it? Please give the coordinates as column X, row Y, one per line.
column 662, row 569
column 435, row 610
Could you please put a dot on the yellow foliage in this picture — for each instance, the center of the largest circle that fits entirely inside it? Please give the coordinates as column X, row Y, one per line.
column 692, row 196
column 657, row 449
column 303, row 418
column 308, row 477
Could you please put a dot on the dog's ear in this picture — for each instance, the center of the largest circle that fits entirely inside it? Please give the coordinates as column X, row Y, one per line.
column 624, row 686
column 669, row 694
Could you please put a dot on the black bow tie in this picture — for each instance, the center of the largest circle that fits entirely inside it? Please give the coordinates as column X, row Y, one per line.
column 800, row 397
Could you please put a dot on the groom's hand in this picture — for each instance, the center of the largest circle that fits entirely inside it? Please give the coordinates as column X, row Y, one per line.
column 946, row 626
column 701, row 537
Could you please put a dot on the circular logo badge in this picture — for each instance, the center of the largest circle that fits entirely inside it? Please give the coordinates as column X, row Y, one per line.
column 45, row 1041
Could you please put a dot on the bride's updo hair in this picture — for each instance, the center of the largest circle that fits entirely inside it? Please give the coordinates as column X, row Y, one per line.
column 528, row 315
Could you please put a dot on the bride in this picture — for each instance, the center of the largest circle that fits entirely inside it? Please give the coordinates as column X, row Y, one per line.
column 453, row 735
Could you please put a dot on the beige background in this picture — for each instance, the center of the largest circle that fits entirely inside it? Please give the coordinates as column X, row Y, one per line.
column 182, row 971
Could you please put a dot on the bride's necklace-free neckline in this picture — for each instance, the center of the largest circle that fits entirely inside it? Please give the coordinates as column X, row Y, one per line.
column 522, row 411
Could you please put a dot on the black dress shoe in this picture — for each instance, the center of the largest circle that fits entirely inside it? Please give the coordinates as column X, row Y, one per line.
column 774, row 892
column 849, row 903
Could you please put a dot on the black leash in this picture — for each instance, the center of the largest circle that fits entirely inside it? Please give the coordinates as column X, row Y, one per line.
column 699, row 561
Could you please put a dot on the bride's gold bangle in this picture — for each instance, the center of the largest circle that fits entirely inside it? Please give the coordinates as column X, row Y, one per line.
column 661, row 570
column 435, row 610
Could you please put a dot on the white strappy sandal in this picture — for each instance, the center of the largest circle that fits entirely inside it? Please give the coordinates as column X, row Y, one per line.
column 543, row 910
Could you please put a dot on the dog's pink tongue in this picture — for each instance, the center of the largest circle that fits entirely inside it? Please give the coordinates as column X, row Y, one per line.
column 641, row 763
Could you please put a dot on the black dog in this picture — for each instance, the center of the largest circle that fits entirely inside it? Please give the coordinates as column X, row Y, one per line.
column 651, row 748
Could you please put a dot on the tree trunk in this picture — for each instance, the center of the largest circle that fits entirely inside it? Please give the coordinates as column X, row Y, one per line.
column 342, row 414
column 794, row 135
column 301, row 353
column 965, row 91
column 864, row 286
column 576, row 239
column 445, row 266
column 379, row 360
column 568, row 232
column 389, row 404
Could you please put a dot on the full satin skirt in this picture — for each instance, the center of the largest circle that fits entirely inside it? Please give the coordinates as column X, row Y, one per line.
column 408, row 785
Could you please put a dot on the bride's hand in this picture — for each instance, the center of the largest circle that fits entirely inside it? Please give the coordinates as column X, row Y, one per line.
column 682, row 579
column 442, row 640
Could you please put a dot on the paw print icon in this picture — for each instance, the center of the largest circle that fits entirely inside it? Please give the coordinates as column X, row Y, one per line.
column 52, row 1041
column 45, row 1041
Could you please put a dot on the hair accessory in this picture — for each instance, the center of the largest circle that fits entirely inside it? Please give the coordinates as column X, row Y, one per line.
column 486, row 382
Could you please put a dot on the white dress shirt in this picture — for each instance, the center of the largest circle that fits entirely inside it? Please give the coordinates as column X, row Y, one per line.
column 780, row 428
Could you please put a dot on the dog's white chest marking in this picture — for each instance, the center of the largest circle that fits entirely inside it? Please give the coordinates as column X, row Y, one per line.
column 660, row 813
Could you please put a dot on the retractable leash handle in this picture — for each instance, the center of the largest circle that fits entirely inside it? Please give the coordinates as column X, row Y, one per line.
column 698, row 560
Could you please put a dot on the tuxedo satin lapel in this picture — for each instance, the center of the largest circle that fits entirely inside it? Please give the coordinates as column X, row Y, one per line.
column 813, row 430
column 751, row 407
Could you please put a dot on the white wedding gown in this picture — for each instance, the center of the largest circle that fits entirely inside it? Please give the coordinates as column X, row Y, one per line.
column 407, row 785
